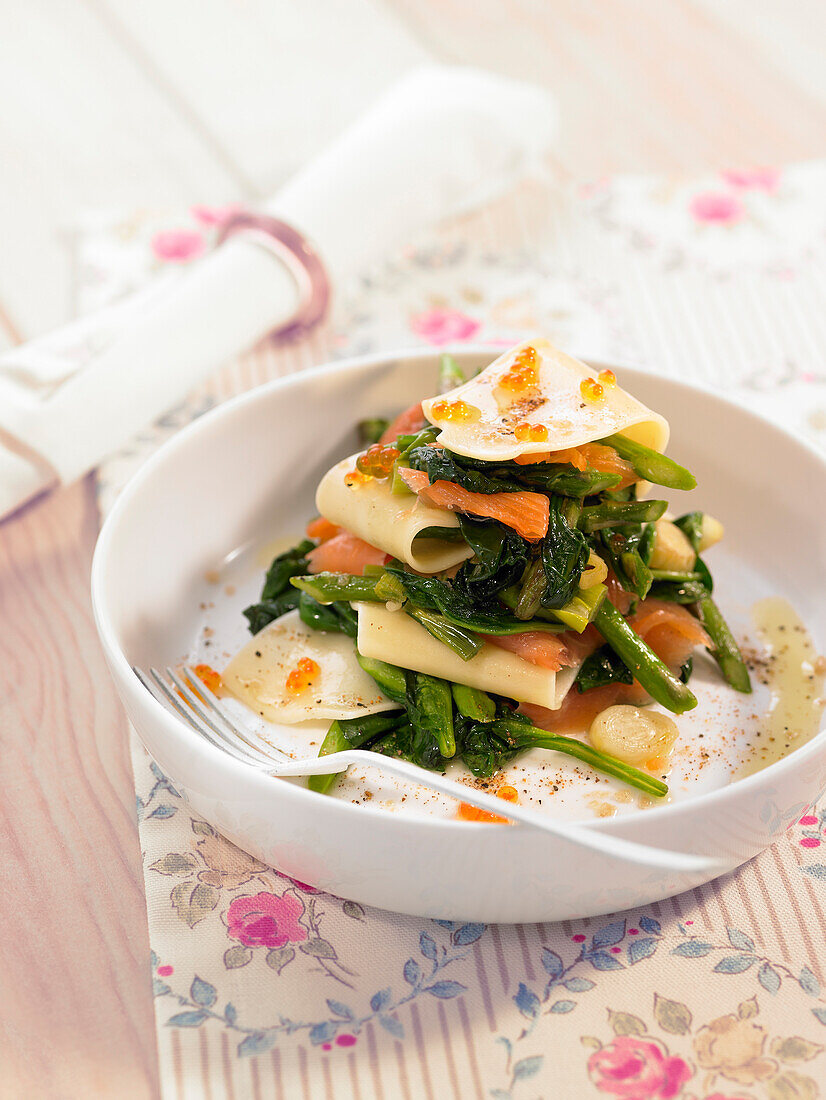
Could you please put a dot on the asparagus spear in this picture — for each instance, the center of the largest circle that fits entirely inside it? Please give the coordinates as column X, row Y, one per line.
column 645, row 546
column 450, row 375
column 648, row 669
column 651, row 465
column 726, row 652
column 352, row 733
column 329, row 587
column 611, row 513
column 521, row 735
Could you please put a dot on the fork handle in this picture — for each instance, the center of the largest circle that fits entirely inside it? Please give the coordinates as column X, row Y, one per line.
column 629, row 850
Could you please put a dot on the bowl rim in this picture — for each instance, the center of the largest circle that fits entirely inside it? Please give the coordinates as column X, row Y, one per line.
column 178, row 728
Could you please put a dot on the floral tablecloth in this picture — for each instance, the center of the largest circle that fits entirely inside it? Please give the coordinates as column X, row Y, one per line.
column 267, row 987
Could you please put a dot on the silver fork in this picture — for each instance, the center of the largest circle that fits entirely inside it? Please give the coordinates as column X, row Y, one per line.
column 204, row 713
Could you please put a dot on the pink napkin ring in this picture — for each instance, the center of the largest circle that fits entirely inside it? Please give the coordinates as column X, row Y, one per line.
column 303, row 262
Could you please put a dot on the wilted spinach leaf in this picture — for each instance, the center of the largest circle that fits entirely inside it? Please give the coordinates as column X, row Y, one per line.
column 564, row 554
column 277, row 595
column 601, row 668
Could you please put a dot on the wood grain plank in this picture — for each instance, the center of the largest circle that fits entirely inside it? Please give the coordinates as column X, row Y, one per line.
column 74, row 977
column 77, row 1015
column 87, row 129
column 10, row 336
column 641, row 87
column 788, row 38
column 274, row 83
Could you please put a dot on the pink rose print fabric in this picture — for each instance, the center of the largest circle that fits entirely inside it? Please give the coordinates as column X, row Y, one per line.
column 215, row 215
column 444, row 326
column 717, row 207
column 634, row 1069
column 266, row 920
column 178, row 245
column 758, row 179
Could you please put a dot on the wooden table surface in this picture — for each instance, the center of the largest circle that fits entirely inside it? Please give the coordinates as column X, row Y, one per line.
column 110, row 103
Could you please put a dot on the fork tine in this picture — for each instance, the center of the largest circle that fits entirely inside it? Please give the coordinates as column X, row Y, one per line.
column 195, row 704
column 239, row 744
column 160, row 690
column 186, row 713
column 212, row 701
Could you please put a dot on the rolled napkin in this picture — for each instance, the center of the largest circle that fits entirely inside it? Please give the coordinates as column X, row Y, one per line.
column 441, row 141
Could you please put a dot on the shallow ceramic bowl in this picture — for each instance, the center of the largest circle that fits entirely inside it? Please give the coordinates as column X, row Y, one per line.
column 248, row 470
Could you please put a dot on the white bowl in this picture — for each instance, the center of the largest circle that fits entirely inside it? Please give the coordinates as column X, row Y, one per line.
column 248, row 470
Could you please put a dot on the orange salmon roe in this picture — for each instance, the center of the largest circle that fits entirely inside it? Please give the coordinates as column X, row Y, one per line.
column 209, row 678
column 466, row 812
column 523, row 373
column 377, row 461
column 302, row 675
column 531, row 433
column 591, row 390
column 607, row 377
column 656, row 763
column 455, row 410
column 356, row 478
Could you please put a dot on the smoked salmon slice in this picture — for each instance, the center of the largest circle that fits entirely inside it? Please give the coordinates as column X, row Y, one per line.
column 321, row 529
column 669, row 629
column 618, row 596
column 606, row 460
column 527, row 513
column 571, row 456
column 345, row 553
column 582, row 645
column 588, row 456
column 551, row 651
column 579, row 709
column 417, row 480
column 537, row 646
column 406, row 423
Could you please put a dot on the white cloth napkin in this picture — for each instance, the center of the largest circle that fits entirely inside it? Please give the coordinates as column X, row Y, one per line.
column 439, row 142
